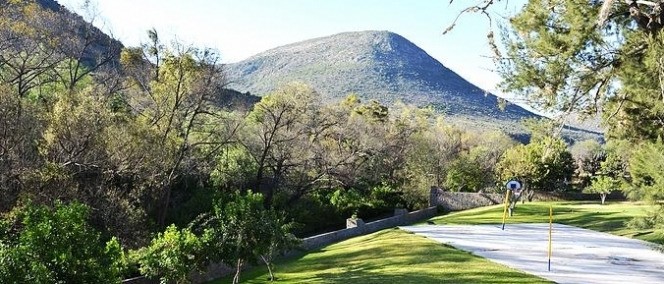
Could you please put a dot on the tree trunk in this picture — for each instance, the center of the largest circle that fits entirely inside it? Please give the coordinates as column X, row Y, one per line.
column 165, row 202
column 238, row 268
column 512, row 206
column 268, row 263
column 603, row 197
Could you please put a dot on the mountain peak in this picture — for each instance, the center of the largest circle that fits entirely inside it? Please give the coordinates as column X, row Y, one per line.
column 379, row 65
column 346, row 40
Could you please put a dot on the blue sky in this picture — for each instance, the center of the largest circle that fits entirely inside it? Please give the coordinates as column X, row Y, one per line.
column 241, row 28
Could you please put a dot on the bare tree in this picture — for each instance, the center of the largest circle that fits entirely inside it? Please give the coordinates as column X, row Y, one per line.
column 171, row 90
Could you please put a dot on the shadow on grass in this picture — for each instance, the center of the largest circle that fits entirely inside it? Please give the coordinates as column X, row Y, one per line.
column 364, row 276
column 603, row 222
column 612, row 217
column 539, row 213
column 389, row 256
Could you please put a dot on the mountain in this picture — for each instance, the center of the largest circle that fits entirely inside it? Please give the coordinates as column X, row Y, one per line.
column 75, row 37
column 378, row 65
column 51, row 5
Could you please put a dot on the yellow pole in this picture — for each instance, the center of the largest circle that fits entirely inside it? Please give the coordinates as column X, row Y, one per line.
column 550, row 233
column 507, row 201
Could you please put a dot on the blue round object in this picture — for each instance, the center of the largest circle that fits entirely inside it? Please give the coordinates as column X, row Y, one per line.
column 513, row 185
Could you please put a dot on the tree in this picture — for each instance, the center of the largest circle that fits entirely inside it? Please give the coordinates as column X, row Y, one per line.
column 88, row 51
column 564, row 62
column 616, row 164
column 280, row 134
column 473, row 169
column 60, row 130
column 171, row 255
column 279, row 238
column 20, row 136
column 465, row 175
column 171, row 90
column 242, row 231
column 613, row 66
column 541, row 128
column 602, row 185
column 43, row 46
column 540, row 165
column 646, row 15
column 434, row 150
column 235, row 168
column 588, row 156
column 27, row 53
column 645, row 168
column 56, row 245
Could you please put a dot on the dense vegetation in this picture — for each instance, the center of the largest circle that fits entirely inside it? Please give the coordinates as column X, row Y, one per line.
column 610, row 66
column 143, row 156
column 595, row 58
column 148, row 164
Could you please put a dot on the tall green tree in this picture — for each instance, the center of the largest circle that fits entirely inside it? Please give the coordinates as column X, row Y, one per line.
column 540, row 165
column 280, row 135
column 613, row 66
column 465, row 174
column 645, row 168
column 241, row 231
column 603, row 185
column 588, row 156
column 559, row 59
column 646, row 171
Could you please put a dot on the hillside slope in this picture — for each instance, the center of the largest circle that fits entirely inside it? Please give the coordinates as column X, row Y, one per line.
column 377, row 65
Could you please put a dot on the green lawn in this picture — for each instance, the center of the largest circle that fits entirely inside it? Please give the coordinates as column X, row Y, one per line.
column 388, row 256
column 395, row 256
column 611, row 218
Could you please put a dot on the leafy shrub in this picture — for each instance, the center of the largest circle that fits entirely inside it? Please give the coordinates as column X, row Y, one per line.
column 56, row 245
column 465, row 175
column 171, row 255
column 242, row 231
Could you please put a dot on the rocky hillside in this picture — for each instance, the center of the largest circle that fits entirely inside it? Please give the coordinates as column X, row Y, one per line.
column 377, row 65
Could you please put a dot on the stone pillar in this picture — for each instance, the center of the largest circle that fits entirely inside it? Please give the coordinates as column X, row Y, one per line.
column 433, row 196
column 354, row 222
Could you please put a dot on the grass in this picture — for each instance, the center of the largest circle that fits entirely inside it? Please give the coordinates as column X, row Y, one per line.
column 395, row 256
column 388, row 256
column 610, row 218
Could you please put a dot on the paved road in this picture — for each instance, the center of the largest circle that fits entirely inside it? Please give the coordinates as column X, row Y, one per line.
column 579, row 255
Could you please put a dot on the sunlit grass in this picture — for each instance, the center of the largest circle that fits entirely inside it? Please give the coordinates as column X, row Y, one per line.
column 610, row 218
column 395, row 256
column 389, row 256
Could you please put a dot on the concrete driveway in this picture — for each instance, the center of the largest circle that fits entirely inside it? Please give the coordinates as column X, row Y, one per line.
column 579, row 255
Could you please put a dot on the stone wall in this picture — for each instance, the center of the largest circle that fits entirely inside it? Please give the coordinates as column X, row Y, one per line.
column 456, row 201
column 358, row 227
column 355, row 227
